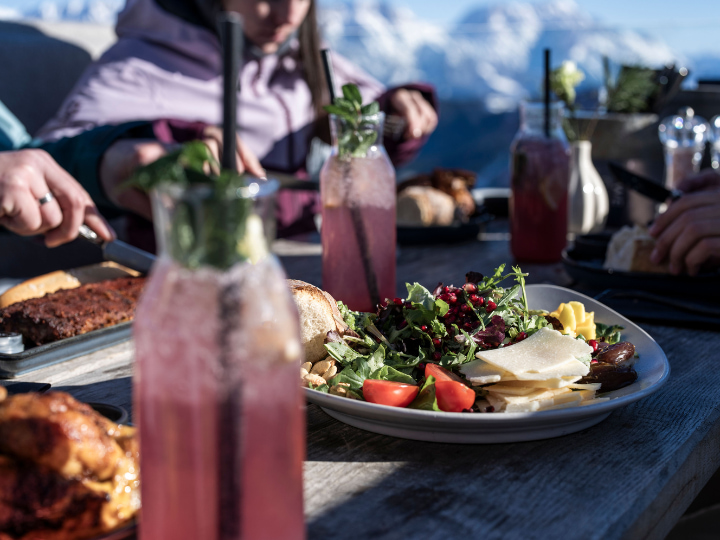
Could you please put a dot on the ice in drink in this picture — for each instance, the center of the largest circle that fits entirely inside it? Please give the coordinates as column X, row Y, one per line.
column 358, row 220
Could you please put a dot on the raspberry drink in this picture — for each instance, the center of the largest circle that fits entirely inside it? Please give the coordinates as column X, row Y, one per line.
column 218, row 402
column 540, row 175
column 357, row 189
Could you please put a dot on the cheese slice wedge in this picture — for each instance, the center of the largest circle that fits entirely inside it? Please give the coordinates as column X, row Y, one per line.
column 560, row 382
column 543, row 353
column 480, row 372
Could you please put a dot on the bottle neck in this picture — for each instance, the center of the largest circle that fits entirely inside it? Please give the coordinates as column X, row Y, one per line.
column 362, row 139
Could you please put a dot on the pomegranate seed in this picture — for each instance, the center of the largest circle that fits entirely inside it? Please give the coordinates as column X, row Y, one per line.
column 452, row 299
column 467, row 410
column 421, row 366
column 444, row 297
column 423, row 328
column 437, row 342
column 470, row 287
column 403, row 324
column 593, row 344
column 490, row 306
column 520, row 336
column 450, row 319
column 408, row 305
column 398, row 301
column 594, row 361
column 474, row 298
column 465, row 308
column 490, row 409
column 437, row 355
column 475, row 325
column 467, row 326
column 446, row 289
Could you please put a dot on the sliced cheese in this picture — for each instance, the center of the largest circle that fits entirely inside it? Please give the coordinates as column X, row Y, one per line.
column 511, row 390
column 571, row 368
column 542, row 353
column 586, row 386
column 496, row 402
column 540, row 393
column 585, row 394
column 480, row 372
column 528, row 406
column 559, row 382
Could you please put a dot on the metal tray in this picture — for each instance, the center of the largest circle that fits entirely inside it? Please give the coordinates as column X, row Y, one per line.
column 12, row 365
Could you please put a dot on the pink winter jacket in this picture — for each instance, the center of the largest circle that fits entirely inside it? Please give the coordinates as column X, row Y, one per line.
column 164, row 67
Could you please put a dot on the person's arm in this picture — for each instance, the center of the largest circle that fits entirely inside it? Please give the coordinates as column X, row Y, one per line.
column 38, row 197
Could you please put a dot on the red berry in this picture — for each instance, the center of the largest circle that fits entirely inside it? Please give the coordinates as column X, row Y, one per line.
column 474, row 298
column 467, row 326
column 593, row 344
column 452, row 299
column 446, row 289
column 444, row 297
column 423, row 328
column 421, row 366
column 490, row 306
column 464, row 308
column 437, row 355
column 470, row 287
column 398, row 301
column 450, row 319
column 520, row 336
column 437, row 342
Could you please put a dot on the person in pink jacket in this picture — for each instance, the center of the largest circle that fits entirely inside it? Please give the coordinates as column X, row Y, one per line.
column 167, row 64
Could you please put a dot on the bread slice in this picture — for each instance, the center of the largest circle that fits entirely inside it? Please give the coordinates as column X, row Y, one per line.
column 419, row 206
column 630, row 249
column 318, row 316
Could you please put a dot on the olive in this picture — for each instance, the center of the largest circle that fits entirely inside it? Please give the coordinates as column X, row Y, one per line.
column 616, row 354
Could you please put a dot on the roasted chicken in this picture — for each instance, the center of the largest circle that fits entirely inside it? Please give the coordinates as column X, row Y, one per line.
column 65, row 471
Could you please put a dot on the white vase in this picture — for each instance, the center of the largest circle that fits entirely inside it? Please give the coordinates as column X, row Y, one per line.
column 588, row 198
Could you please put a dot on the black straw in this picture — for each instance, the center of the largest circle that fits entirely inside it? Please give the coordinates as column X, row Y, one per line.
column 329, row 74
column 547, row 93
column 232, row 46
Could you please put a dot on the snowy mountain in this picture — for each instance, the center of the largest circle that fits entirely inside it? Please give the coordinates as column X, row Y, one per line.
column 493, row 53
column 95, row 11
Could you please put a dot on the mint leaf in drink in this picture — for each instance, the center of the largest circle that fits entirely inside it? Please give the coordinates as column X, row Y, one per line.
column 357, row 123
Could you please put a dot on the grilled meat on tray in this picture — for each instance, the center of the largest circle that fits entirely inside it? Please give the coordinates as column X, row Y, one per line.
column 71, row 312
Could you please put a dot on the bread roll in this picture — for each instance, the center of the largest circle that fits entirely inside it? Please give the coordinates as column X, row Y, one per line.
column 419, row 206
column 318, row 316
column 629, row 250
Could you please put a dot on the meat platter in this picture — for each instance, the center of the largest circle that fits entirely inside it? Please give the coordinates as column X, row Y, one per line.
column 41, row 353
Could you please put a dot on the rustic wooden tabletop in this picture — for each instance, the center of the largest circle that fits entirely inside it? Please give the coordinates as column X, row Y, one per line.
column 631, row 476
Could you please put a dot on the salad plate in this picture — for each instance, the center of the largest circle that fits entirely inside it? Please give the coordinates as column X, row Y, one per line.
column 652, row 368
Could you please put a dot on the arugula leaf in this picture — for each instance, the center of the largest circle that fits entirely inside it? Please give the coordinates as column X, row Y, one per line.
column 349, row 376
column 425, row 400
column 610, row 334
column 387, row 373
column 341, row 352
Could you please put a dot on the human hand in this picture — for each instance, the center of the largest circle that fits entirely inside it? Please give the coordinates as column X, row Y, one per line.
column 29, row 176
column 704, row 180
column 246, row 160
column 688, row 233
column 420, row 116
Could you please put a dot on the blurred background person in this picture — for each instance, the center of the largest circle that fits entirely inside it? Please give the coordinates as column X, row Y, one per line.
column 167, row 64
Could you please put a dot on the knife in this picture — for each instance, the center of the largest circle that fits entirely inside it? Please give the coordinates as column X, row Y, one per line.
column 120, row 252
column 644, row 186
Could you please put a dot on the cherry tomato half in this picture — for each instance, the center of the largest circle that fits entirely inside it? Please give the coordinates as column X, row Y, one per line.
column 440, row 373
column 453, row 396
column 390, row 393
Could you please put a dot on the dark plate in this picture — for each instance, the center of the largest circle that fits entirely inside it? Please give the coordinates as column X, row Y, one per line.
column 12, row 365
column 460, row 232
column 584, row 263
column 112, row 412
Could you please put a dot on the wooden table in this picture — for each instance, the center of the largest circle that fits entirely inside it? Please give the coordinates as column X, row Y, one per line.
column 631, row 476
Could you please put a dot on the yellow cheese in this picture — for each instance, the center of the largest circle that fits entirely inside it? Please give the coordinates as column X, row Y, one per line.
column 546, row 352
column 568, row 320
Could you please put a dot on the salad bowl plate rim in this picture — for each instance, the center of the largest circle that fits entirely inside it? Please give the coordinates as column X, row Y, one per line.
column 652, row 366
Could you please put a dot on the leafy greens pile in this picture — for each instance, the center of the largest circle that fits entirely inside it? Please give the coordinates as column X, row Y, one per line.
column 446, row 326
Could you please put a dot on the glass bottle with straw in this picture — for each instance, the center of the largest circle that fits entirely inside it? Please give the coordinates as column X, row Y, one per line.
column 539, row 180
column 357, row 191
column 217, row 395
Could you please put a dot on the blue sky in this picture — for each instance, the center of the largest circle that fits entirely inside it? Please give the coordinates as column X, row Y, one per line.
column 688, row 26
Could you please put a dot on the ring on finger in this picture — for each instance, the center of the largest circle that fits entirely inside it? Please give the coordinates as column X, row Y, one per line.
column 46, row 198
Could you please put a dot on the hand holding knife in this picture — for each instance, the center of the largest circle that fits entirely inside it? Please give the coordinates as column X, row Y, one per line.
column 120, row 252
column 644, row 186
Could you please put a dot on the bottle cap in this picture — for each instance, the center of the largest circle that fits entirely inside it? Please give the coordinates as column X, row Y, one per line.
column 11, row 343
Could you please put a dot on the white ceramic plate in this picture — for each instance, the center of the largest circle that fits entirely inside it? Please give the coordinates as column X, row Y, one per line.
column 652, row 368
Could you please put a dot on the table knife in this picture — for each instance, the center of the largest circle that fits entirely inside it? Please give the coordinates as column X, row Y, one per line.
column 120, row 252
column 644, row 186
